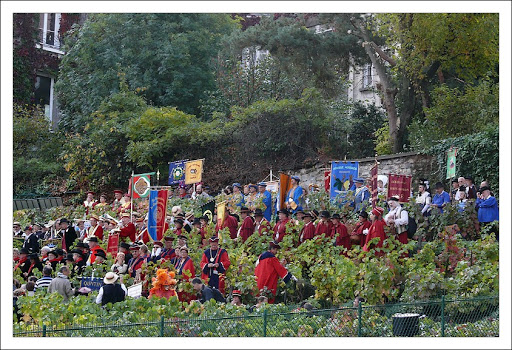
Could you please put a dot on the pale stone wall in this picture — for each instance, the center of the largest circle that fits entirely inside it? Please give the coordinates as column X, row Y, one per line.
column 412, row 163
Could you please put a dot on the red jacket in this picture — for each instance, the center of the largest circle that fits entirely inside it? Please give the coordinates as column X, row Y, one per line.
column 321, row 228
column 358, row 230
column 212, row 275
column 262, row 226
column 308, row 232
column 98, row 232
column 267, row 272
column 280, row 230
column 128, row 231
column 342, row 237
column 376, row 230
column 247, row 228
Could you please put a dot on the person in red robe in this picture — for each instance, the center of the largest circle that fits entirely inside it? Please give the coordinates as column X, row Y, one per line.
column 214, row 265
column 339, row 230
column 179, row 227
column 247, row 227
column 94, row 247
column 308, row 230
column 184, row 263
column 231, row 222
column 358, row 234
column 163, row 284
column 95, row 229
column 168, row 253
column 280, row 226
column 269, row 269
column 261, row 225
column 324, row 226
column 127, row 228
column 376, row 230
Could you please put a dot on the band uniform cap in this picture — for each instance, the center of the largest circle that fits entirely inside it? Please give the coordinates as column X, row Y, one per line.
column 296, row 178
column 168, row 238
column 124, row 245
column 93, row 239
column 125, row 215
column 237, row 293
column 158, row 243
column 262, row 184
column 94, row 216
column 236, row 184
column 308, row 215
column 139, row 220
column 91, row 192
column 118, row 191
column 359, row 180
column 214, row 239
column 64, row 220
column 134, row 247
column 253, row 185
column 28, row 228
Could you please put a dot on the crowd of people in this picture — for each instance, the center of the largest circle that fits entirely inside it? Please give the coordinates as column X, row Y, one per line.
column 71, row 247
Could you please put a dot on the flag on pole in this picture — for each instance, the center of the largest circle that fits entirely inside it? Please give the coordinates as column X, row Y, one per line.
column 284, row 187
column 450, row 163
column 157, row 213
column 176, row 172
column 193, row 171
column 139, row 185
column 327, row 180
column 221, row 215
column 208, row 210
column 374, row 174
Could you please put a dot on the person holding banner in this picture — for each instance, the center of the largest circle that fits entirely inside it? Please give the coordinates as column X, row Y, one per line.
column 214, row 264
column 127, row 228
column 294, row 196
column 397, row 218
column 361, row 196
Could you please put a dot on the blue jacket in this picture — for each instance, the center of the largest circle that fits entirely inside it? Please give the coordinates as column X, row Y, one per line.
column 267, row 200
column 361, row 197
column 487, row 209
column 441, row 199
column 297, row 198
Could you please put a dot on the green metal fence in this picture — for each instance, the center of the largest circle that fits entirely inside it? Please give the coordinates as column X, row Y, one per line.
column 478, row 317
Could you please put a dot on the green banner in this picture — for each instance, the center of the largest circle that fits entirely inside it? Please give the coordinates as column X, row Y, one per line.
column 450, row 163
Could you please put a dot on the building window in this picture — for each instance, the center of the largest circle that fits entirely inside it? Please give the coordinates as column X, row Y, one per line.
column 44, row 95
column 367, row 76
column 49, row 24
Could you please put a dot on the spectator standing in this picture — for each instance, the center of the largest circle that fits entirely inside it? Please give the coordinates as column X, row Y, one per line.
column 462, row 202
column 31, row 241
column 487, row 207
column 61, row 284
column 397, row 218
column 470, row 188
column 111, row 292
column 423, row 200
column 440, row 198
column 455, row 188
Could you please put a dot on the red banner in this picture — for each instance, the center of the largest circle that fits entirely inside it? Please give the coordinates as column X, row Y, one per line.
column 327, row 180
column 113, row 243
column 399, row 185
column 284, row 187
column 373, row 172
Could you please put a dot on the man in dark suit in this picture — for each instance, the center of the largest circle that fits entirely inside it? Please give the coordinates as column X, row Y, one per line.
column 68, row 235
column 31, row 241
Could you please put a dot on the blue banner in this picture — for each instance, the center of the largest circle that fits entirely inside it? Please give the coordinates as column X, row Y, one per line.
column 176, row 172
column 94, row 283
column 153, row 211
column 343, row 175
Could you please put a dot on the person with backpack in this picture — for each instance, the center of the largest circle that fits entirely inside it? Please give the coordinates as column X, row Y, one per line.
column 206, row 293
column 397, row 219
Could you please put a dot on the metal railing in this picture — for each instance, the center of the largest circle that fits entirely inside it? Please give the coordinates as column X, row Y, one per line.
column 478, row 317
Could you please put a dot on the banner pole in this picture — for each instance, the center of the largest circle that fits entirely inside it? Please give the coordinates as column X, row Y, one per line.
column 131, row 200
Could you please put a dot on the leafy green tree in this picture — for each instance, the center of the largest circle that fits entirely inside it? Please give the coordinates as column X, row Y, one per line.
column 167, row 56
column 36, row 169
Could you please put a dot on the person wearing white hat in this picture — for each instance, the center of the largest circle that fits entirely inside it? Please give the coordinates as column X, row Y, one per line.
column 111, row 292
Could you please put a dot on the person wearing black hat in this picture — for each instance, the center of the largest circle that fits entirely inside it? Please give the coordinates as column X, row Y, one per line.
column 23, row 263
column 53, row 259
column 269, row 269
column 68, row 235
column 440, row 198
column 79, row 264
column 280, row 226
column 488, row 210
column 247, row 227
column 261, row 224
column 294, row 197
column 101, row 256
column 358, row 234
column 308, row 230
column 340, row 232
column 324, row 227
column 94, row 247
column 179, row 227
column 31, row 241
column 214, row 264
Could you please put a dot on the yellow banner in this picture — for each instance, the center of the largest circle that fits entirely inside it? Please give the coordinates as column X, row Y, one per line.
column 221, row 214
column 193, row 171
